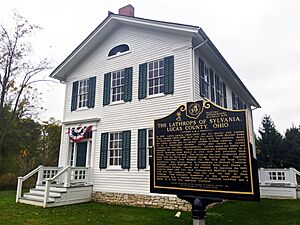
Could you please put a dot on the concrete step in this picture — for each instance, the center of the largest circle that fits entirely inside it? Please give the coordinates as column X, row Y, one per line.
column 42, row 193
column 37, row 198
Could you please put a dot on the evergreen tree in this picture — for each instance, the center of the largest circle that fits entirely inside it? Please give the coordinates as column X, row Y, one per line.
column 270, row 152
column 291, row 145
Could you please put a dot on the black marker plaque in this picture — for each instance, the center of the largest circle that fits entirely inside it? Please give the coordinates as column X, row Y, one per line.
column 204, row 150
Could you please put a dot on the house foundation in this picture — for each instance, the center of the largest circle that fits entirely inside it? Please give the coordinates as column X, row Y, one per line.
column 150, row 201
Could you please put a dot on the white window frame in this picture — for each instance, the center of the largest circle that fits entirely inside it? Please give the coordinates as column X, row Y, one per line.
column 155, row 75
column 117, row 85
column 83, row 93
column 115, row 146
column 149, row 147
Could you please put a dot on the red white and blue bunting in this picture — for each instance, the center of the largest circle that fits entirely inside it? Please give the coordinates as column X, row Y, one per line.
column 77, row 134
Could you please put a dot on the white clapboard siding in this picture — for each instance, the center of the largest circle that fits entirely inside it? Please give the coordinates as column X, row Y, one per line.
column 145, row 46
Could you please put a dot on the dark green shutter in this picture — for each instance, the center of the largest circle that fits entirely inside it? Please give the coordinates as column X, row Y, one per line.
column 225, row 95
column 212, row 87
column 142, row 81
column 169, row 75
column 103, row 151
column 142, row 145
column 128, row 85
column 106, row 89
column 92, row 89
column 218, row 100
column 126, row 143
column 201, row 78
column 74, row 96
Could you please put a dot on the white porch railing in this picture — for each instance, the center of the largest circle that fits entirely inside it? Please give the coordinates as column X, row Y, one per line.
column 64, row 177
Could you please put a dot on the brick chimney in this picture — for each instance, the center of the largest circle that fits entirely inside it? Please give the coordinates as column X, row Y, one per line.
column 127, row 10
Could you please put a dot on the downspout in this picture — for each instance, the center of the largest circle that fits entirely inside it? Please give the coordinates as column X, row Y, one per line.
column 193, row 66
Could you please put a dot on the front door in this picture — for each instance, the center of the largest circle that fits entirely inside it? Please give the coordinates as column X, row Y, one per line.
column 81, row 154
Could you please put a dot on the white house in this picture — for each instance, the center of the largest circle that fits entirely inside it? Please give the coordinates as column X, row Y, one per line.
column 128, row 72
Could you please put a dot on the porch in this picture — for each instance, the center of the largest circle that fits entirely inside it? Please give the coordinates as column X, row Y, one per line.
column 56, row 186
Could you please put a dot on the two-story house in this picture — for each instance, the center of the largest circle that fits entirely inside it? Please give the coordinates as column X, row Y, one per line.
column 128, row 72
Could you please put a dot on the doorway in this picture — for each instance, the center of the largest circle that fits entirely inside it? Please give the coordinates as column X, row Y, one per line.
column 79, row 154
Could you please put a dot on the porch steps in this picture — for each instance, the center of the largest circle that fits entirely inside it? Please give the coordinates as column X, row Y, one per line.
column 58, row 195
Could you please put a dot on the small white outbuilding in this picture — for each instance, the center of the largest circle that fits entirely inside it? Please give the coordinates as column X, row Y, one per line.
column 279, row 183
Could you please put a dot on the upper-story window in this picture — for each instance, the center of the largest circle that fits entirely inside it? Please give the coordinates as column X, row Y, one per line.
column 212, row 86
column 237, row 103
column 83, row 93
column 117, row 85
column 120, row 49
column 206, row 81
column 156, row 77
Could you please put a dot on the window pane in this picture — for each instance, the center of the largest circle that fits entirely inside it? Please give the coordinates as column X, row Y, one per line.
column 151, row 91
column 150, row 66
column 150, row 74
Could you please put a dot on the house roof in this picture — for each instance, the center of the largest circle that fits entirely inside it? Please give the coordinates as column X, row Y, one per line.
column 112, row 21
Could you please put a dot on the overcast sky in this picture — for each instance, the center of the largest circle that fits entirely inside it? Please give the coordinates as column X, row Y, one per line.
column 259, row 39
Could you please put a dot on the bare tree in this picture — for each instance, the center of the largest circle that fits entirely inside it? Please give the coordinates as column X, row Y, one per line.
column 19, row 70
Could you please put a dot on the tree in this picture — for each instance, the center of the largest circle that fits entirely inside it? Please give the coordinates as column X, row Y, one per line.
column 269, row 153
column 291, row 146
column 47, row 153
column 19, row 70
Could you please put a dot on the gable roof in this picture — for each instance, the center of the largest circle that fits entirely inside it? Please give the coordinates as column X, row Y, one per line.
column 112, row 21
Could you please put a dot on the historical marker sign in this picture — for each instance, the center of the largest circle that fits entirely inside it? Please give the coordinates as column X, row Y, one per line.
column 204, row 150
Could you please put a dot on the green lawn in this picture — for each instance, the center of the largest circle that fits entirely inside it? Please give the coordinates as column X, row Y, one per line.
column 266, row 212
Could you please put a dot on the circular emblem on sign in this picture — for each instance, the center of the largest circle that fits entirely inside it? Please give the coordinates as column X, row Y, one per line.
column 194, row 109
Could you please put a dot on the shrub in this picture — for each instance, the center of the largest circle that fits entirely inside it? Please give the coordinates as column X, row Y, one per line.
column 8, row 181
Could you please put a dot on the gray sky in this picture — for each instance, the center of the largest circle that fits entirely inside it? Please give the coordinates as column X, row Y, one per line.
column 259, row 39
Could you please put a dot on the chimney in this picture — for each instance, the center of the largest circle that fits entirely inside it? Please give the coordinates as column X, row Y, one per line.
column 127, row 10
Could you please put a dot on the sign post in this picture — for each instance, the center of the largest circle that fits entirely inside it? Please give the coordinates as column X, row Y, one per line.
column 202, row 153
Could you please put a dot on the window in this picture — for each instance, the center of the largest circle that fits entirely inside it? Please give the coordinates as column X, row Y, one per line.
column 281, row 175
column 272, row 175
column 83, row 92
column 156, row 77
column 237, row 103
column 115, row 149
column 72, row 154
column 220, row 92
column 149, row 146
column 206, row 81
column 277, row 175
column 211, row 86
column 117, row 85
column 118, row 50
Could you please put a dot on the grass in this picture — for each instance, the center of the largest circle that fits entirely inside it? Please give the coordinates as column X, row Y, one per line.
column 266, row 212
